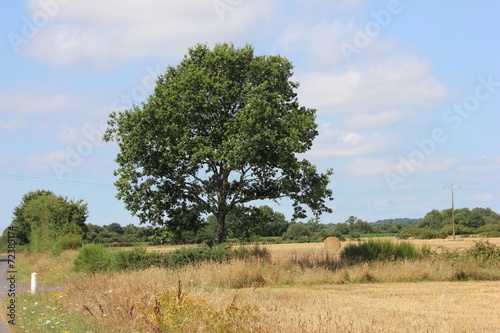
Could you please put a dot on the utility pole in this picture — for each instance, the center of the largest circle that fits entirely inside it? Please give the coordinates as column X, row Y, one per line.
column 452, row 187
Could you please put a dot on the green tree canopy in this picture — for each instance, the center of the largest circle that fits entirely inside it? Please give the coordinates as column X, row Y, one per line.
column 42, row 218
column 296, row 231
column 222, row 129
column 246, row 222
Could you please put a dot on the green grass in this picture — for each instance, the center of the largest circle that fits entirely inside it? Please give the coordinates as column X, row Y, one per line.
column 43, row 313
column 378, row 235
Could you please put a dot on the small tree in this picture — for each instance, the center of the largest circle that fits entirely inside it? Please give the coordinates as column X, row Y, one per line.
column 222, row 129
column 297, row 232
column 43, row 218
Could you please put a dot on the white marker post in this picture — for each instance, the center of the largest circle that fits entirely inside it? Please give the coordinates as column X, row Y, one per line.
column 33, row 283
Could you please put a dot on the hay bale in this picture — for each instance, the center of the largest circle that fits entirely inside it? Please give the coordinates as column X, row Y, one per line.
column 332, row 243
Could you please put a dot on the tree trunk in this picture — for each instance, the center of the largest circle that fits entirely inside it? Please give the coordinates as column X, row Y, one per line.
column 219, row 228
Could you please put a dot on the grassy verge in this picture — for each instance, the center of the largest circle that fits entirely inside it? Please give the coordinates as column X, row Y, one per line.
column 52, row 270
column 44, row 313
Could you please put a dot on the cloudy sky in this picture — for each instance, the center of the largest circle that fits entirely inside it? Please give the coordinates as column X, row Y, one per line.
column 407, row 93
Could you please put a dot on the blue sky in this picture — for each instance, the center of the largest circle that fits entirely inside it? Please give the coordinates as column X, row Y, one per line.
column 407, row 93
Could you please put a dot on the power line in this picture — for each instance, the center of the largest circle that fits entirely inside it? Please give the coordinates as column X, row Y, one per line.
column 102, row 185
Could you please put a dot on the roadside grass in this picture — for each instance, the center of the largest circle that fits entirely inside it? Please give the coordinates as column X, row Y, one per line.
column 52, row 270
column 44, row 313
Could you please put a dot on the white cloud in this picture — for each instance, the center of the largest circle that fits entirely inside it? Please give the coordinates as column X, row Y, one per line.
column 482, row 170
column 378, row 93
column 378, row 203
column 13, row 125
column 103, row 33
column 379, row 166
column 333, row 142
column 377, row 119
column 481, row 165
column 32, row 102
column 320, row 40
column 44, row 160
column 370, row 166
column 408, row 199
column 483, row 197
column 348, row 4
column 351, row 138
column 434, row 164
column 68, row 134
column 5, row 160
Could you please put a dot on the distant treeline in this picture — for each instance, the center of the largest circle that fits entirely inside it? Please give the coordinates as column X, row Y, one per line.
column 403, row 221
column 271, row 226
column 45, row 222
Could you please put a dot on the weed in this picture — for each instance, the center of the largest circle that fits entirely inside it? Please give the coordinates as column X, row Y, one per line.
column 178, row 311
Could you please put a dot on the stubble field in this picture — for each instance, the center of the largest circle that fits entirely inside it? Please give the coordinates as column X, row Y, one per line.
column 284, row 296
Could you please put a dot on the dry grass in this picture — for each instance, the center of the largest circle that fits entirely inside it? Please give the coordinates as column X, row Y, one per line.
column 51, row 270
column 324, row 306
column 429, row 307
column 380, row 297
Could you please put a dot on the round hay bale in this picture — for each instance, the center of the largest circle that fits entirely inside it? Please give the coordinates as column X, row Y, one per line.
column 332, row 243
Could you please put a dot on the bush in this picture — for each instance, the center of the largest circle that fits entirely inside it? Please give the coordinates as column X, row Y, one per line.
column 195, row 255
column 178, row 311
column 137, row 258
column 298, row 232
column 355, row 235
column 378, row 250
column 483, row 252
column 251, row 252
column 67, row 242
column 421, row 233
column 459, row 229
column 90, row 258
column 489, row 230
column 95, row 258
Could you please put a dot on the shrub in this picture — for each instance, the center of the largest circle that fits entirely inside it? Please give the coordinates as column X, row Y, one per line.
column 459, row 229
column 483, row 252
column 421, row 233
column 90, row 258
column 251, row 252
column 67, row 242
column 355, row 235
column 177, row 311
column 378, row 250
column 137, row 258
column 195, row 255
column 95, row 258
column 489, row 230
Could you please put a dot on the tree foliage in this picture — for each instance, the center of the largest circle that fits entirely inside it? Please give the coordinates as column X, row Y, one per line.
column 438, row 224
column 354, row 225
column 222, row 129
column 42, row 218
column 245, row 223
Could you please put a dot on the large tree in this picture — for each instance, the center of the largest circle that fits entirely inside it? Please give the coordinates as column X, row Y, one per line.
column 222, row 129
